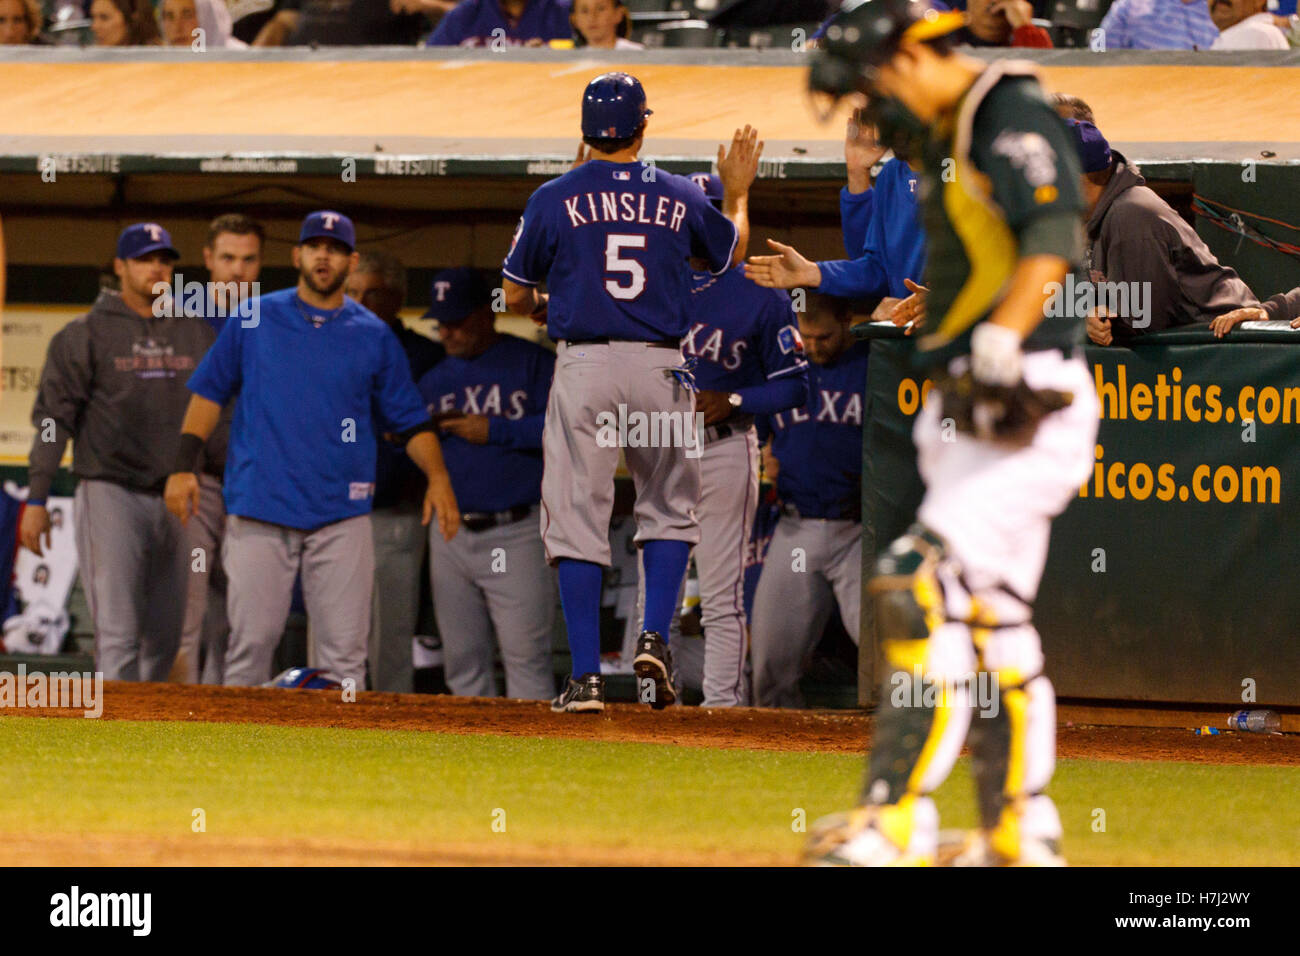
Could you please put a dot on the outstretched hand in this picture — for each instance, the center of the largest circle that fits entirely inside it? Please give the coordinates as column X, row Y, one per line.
column 787, row 270
column 911, row 309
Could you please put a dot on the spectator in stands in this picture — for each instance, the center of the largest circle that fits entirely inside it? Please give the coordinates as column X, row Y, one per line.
column 181, row 19
column 1142, row 253
column 20, row 21
column 1158, row 25
column 249, row 17
column 601, row 25
column 341, row 23
column 435, row 10
column 1072, row 108
column 124, row 23
column 512, row 22
column 1244, row 25
column 882, row 232
column 114, row 382
column 1290, row 27
column 379, row 283
column 1001, row 23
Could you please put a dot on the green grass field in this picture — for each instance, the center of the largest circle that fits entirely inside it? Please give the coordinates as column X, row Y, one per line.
column 71, row 776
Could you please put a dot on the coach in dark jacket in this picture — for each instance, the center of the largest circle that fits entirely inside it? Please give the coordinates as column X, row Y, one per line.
column 114, row 382
column 1138, row 245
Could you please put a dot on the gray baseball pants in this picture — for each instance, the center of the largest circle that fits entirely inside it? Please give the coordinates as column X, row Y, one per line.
column 596, row 389
column 133, row 571
column 495, row 581
column 812, row 565
column 728, row 497
column 206, row 629
column 399, row 552
column 338, row 576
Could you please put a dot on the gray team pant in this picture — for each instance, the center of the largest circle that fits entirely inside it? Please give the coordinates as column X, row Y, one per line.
column 338, row 576
column 601, row 383
column 495, row 581
column 728, row 498
column 727, row 503
column 206, row 629
column 795, row 596
column 133, row 571
column 399, row 552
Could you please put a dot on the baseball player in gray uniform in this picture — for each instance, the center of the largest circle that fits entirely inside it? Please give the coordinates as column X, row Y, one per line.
column 749, row 361
column 114, row 382
column 488, row 397
column 379, row 283
column 815, row 560
column 233, row 257
column 611, row 239
column 319, row 378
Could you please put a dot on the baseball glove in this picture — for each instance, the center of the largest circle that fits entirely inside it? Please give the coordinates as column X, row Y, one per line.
column 1007, row 414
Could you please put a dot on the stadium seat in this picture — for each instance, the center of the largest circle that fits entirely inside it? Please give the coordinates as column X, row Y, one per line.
column 694, row 34
column 1074, row 20
column 766, row 38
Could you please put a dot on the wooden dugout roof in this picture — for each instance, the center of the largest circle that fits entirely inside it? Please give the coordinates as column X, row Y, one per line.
column 408, row 112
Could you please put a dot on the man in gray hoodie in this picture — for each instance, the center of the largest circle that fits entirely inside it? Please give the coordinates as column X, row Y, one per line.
column 114, row 382
column 1149, row 268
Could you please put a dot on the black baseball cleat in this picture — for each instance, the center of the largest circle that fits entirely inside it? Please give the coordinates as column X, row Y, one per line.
column 584, row 695
column 654, row 662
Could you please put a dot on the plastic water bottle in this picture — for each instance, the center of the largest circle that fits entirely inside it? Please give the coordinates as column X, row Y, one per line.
column 1256, row 721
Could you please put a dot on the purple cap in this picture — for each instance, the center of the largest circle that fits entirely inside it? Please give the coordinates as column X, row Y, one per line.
column 139, row 240
column 1094, row 151
column 328, row 224
column 711, row 183
column 455, row 293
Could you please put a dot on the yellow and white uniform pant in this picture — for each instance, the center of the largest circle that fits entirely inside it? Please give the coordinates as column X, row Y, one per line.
column 972, row 662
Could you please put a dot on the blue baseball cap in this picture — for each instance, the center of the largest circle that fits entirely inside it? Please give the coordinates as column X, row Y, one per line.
column 613, row 106
column 328, row 224
column 711, row 183
column 1094, row 151
column 142, row 238
column 455, row 293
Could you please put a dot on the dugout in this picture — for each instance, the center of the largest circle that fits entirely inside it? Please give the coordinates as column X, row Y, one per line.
column 434, row 151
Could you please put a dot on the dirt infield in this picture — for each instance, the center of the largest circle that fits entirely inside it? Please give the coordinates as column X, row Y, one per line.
column 120, row 849
column 747, row 728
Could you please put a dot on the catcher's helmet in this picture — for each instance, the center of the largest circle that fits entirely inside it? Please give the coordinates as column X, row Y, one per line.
column 866, row 33
column 613, row 106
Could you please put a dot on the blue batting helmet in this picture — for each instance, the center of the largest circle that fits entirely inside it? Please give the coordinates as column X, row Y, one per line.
column 613, row 106
column 308, row 678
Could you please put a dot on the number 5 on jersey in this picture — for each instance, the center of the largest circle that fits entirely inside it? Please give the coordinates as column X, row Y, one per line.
column 615, row 243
